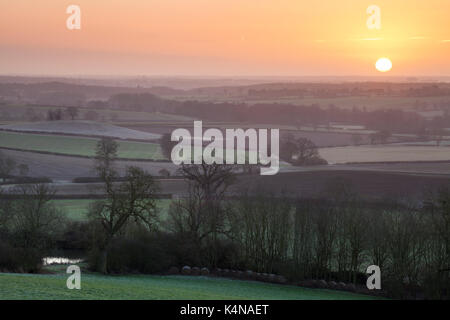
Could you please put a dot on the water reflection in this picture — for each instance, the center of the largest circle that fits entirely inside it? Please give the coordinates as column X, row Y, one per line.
column 60, row 260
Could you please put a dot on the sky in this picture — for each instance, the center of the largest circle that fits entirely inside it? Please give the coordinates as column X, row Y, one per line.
column 224, row 38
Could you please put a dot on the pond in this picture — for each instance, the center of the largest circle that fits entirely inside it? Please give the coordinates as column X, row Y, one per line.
column 60, row 260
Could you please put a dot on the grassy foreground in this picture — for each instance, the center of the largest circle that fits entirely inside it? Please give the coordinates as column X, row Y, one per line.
column 144, row 287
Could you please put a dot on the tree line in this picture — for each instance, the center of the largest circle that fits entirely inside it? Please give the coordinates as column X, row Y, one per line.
column 281, row 113
column 334, row 237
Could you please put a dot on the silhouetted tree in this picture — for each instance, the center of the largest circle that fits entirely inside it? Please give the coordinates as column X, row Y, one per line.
column 132, row 199
column 167, row 145
column 72, row 112
column 299, row 151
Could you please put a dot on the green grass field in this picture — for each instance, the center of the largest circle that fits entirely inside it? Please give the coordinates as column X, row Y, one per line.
column 82, row 146
column 76, row 209
column 145, row 287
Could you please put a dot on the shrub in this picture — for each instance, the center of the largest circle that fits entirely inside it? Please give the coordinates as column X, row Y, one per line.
column 173, row 270
column 75, row 237
column 142, row 255
column 19, row 259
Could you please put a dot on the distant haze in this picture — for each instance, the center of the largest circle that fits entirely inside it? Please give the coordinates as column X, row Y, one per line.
column 224, row 37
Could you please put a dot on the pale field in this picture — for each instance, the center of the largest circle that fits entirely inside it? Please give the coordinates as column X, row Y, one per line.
column 424, row 143
column 81, row 127
column 384, row 153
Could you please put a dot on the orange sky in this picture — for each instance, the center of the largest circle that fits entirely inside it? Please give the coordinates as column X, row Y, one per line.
column 224, row 37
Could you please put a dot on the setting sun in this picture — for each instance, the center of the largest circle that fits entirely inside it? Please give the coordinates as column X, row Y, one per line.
column 383, row 65
column 286, row 38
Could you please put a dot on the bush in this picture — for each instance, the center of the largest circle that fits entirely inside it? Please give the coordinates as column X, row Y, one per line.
column 173, row 270
column 144, row 255
column 146, row 252
column 195, row 271
column 75, row 237
column 19, row 259
column 315, row 161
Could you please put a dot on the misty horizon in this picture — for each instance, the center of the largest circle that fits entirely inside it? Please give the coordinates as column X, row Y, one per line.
column 197, row 38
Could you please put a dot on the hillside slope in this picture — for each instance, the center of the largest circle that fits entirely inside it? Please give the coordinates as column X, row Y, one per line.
column 143, row 287
column 81, row 127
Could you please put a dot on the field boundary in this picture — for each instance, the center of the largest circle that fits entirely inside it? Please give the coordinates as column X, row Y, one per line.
column 154, row 141
column 83, row 196
column 122, row 179
column 396, row 162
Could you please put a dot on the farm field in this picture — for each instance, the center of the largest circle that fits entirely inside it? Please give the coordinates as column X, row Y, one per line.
column 442, row 143
column 81, row 128
column 370, row 103
column 371, row 185
column 416, row 168
column 321, row 136
column 80, row 146
column 145, row 287
column 384, row 153
column 376, row 184
column 15, row 112
column 76, row 209
column 66, row 168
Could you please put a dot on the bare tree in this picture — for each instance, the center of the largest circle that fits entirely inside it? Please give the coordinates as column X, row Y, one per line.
column 262, row 226
column 438, row 210
column 201, row 214
column 35, row 218
column 7, row 166
column 356, row 139
column 134, row 199
column 72, row 112
column 54, row 115
column 5, row 209
column 356, row 235
column 167, row 145
column 406, row 242
column 303, row 236
column 105, row 155
column 212, row 180
column 300, row 151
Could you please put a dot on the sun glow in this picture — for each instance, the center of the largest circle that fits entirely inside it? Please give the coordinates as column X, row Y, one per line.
column 383, row 65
